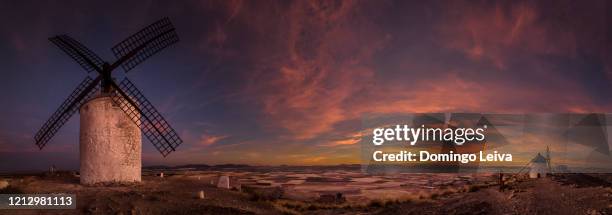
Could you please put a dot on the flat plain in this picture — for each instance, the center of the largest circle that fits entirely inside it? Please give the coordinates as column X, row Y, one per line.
column 322, row 190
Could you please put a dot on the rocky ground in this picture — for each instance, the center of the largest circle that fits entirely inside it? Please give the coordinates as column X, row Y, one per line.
column 578, row 195
column 178, row 194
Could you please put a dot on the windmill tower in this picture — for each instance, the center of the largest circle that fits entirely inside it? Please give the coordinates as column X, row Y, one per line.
column 548, row 159
column 114, row 115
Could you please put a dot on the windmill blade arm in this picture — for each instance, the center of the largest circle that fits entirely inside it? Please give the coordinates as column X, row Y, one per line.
column 83, row 92
column 77, row 51
column 144, row 44
column 147, row 118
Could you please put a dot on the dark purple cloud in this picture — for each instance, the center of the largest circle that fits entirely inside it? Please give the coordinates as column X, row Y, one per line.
column 251, row 81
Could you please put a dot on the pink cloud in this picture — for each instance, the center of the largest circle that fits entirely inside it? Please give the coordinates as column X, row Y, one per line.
column 208, row 139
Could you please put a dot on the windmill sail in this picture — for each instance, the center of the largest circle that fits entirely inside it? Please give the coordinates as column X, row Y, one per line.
column 141, row 111
column 144, row 44
column 130, row 52
column 84, row 91
column 77, row 51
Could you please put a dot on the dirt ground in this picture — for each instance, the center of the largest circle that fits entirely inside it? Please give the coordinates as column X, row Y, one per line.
column 570, row 194
column 566, row 194
column 154, row 196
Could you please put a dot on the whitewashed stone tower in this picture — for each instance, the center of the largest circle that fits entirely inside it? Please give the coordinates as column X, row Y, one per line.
column 110, row 144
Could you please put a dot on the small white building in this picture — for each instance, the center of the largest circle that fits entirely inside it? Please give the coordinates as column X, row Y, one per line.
column 538, row 167
column 224, row 182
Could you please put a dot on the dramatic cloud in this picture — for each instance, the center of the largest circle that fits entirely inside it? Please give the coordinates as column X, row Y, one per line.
column 269, row 77
column 208, row 139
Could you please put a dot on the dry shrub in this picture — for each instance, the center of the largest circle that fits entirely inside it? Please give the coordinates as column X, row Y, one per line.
column 11, row 190
column 376, row 203
column 473, row 188
column 263, row 193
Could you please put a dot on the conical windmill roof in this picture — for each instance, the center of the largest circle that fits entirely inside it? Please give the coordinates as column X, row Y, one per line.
column 539, row 159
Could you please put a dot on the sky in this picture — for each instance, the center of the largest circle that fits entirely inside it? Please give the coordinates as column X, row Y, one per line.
column 288, row 82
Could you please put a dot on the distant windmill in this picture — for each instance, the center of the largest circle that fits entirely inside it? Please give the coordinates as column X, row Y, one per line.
column 110, row 148
column 539, row 166
column 548, row 159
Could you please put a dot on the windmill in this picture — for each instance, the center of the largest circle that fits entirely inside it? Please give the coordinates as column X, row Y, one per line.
column 548, row 159
column 109, row 148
